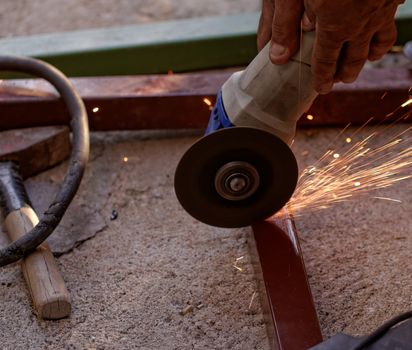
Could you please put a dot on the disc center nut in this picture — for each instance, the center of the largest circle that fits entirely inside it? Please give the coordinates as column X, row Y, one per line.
column 237, row 180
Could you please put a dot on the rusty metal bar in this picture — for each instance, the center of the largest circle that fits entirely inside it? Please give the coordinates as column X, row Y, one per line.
column 288, row 305
column 177, row 101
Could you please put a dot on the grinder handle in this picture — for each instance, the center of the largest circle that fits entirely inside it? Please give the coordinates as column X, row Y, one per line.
column 41, row 273
column 270, row 96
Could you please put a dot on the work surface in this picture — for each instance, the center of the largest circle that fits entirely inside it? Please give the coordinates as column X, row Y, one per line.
column 131, row 277
column 130, row 283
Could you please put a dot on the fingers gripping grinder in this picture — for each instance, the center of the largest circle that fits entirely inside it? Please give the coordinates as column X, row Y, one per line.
column 243, row 170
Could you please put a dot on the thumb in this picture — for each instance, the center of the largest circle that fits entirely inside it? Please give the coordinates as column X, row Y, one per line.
column 264, row 33
column 285, row 30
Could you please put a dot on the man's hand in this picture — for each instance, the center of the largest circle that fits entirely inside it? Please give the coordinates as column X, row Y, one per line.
column 280, row 22
column 348, row 33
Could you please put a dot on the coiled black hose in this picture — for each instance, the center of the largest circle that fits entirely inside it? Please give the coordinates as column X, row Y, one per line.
column 78, row 158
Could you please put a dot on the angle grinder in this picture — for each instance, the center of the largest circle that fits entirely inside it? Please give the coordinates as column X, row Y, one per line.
column 243, row 169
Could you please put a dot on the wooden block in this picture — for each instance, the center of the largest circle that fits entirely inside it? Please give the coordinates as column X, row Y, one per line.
column 35, row 149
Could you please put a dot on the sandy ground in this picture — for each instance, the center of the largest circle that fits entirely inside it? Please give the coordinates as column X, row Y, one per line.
column 130, row 282
column 358, row 254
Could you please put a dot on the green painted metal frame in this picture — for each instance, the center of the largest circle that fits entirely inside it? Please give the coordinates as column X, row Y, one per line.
column 179, row 46
column 404, row 22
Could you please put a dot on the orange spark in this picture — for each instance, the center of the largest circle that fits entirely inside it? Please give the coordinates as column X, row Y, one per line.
column 407, row 103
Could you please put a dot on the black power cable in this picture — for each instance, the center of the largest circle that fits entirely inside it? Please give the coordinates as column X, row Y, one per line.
column 78, row 158
column 380, row 332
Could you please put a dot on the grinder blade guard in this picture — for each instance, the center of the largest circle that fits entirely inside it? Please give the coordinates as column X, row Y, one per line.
column 243, row 170
column 236, row 176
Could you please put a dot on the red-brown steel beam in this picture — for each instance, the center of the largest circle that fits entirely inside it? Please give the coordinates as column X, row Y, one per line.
column 176, row 101
column 288, row 304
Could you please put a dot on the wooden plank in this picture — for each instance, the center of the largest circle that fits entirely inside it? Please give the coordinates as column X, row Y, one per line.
column 35, row 150
column 177, row 101
column 180, row 45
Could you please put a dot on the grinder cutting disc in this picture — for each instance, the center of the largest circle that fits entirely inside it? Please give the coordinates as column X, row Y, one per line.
column 236, row 176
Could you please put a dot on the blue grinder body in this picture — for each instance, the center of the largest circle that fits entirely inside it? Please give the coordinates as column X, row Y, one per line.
column 218, row 118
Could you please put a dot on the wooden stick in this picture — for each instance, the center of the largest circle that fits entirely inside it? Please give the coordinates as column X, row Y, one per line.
column 46, row 285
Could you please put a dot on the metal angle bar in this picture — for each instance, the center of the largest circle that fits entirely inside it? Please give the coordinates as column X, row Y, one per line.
column 178, row 101
column 176, row 45
column 291, row 318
